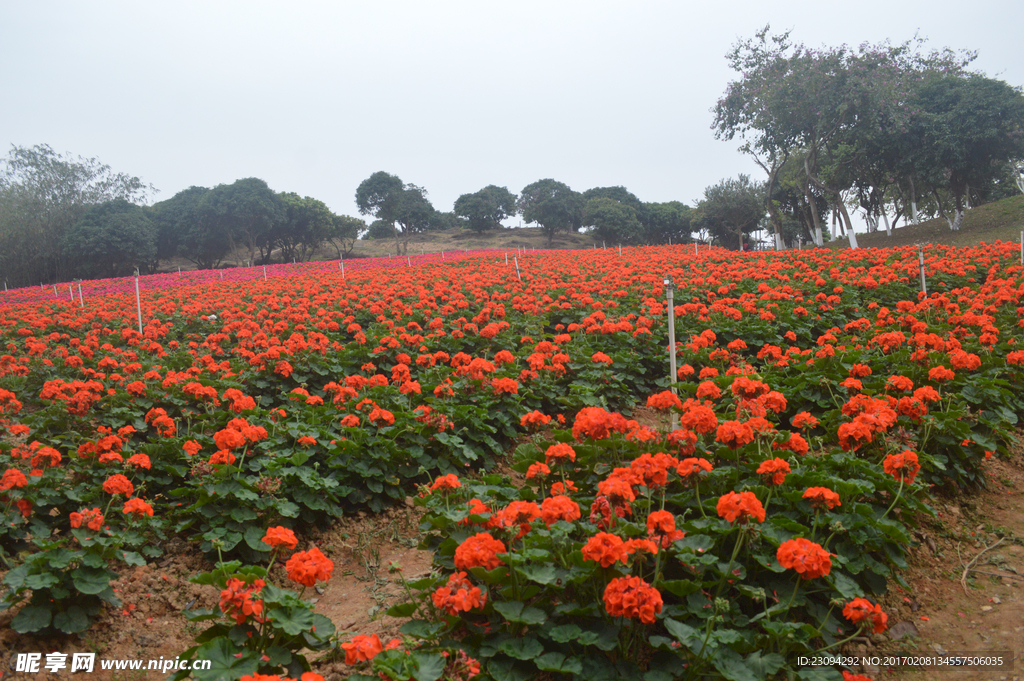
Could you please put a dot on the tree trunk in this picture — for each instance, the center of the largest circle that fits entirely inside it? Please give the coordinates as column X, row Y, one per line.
column 913, row 202
column 849, row 224
column 888, row 229
column 818, row 240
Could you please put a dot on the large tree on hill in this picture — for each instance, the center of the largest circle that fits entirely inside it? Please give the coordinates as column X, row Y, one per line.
column 552, row 205
column 667, row 222
column 247, row 212
column 111, row 240
column 306, row 226
column 42, row 195
column 731, row 210
column 485, row 209
column 612, row 221
column 389, row 200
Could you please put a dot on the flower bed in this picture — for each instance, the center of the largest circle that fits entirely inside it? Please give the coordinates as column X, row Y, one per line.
column 819, row 396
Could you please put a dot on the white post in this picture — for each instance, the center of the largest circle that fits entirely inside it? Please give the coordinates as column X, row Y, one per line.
column 442, row 255
column 671, row 332
column 179, row 270
column 264, row 273
column 81, row 302
column 138, row 302
column 920, row 257
column 695, row 248
column 506, row 252
column 517, row 269
column 604, row 247
column 342, row 263
column 620, row 250
column 408, row 261
column 1021, row 254
column 55, row 290
column 71, row 292
column 222, row 274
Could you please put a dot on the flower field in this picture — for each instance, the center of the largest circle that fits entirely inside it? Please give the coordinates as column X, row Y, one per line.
column 819, row 397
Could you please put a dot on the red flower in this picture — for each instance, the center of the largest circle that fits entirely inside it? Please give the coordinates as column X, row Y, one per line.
column 520, row 513
column 559, row 453
column 664, row 401
column 734, row 434
column 362, row 649
column 634, row 598
column 860, row 611
column 605, row 549
column 309, row 567
column 804, row 420
column 237, row 600
column 138, row 507
column 740, row 506
column 458, row 595
column 692, row 468
column 903, row 466
column 92, row 518
column 661, row 526
column 280, row 536
column 556, row 508
column 822, row 497
column 808, row 559
column 118, row 484
column 480, row 550
column 774, row 470
column 446, row 483
column 537, row 470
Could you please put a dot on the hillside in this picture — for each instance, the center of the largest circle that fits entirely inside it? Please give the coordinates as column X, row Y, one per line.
column 996, row 221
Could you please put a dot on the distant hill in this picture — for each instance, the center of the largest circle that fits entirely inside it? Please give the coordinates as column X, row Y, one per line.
column 996, row 221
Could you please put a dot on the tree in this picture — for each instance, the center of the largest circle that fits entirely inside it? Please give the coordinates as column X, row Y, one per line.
column 486, row 208
column 731, row 210
column 343, row 233
column 247, row 212
column 305, row 227
column 667, row 222
column 385, row 197
column 183, row 229
column 612, row 221
column 42, row 195
column 111, row 240
column 553, row 205
column 969, row 128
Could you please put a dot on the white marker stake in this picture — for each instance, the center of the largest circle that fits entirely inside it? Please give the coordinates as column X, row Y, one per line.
column 620, row 250
column 264, row 273
column 1021, row 253
column 408, row 261
column 54, row 290
column 81, row 301
column 342, row 263
column 920, row 256
column 138, row 303
column 695, row 248
column 506, row 252
column 442, row 255
column 517, row 270
column 179, row 270
column 71, row 292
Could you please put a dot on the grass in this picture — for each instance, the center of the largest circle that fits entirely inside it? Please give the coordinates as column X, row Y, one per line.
column 997, row 221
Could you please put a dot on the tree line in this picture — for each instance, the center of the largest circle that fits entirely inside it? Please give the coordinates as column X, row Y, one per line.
column 887, row 129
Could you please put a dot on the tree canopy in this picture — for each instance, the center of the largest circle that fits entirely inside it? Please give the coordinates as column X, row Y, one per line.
column 552, row 205
column 112, row 239
column 731, row 210
column 485, row 209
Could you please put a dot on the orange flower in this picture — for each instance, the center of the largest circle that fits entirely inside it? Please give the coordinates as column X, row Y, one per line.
column 632, row 597
column 446, row 483
column 118, row 484
column 520, row 513
column 810, row 560
column 537, row 470
column 309, row 567
column 480, row 550
column 740, row 506
column 458, row 595
column 774, row 470
column 237, row 600
column 138, row 507
column 139, row 461
column 559, row 453
column 92, row 518
column 860, row 611
column 822, row 497
column 605, row 549
column 534, row 420
column 903, row 466
column 12, row 478
column 734, row 434
column 692, row 468
column 556, row 508
column 661, row 526
column 362, row 649
column 280, row 536
column 664, row 401
column 804, row 420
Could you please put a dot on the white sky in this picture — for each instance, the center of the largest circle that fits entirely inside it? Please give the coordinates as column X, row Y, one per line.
column 313, row 97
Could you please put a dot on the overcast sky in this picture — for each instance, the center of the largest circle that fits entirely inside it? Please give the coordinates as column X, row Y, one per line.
column 313, row 97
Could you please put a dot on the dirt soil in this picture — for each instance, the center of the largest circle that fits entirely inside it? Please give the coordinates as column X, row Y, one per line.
column 931, row 614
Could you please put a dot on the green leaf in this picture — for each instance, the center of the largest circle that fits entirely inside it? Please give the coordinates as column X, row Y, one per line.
column 429, row 666
column 224, row 666
column 516, row 611
column 557, row 662
column 90, row 580
column 254, row 538
column 564, row 633
column 542, row 574
column 293, row 620
column 845, row 585
column 72, row 620
column 402, row 610
column 32, row 618
column 679, row 587
column 522, row 648
column 421, row 629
